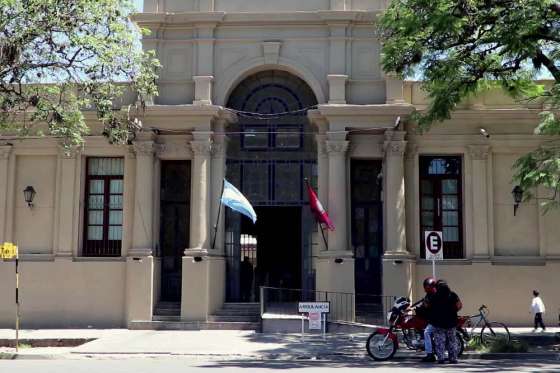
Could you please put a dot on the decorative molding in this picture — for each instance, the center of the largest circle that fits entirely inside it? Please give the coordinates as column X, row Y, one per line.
column 271, row 52
column 5, row 151
column 219, row 150
column 395, row 148
column 202, row 148
column 337, row 147
column 140, row 252
column 479, row 152
column 321, row 145
column 144, row 148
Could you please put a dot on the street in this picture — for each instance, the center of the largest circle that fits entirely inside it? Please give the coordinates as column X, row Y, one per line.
column 112, row 364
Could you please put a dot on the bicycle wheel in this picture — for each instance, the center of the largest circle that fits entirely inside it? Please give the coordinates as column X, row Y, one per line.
column 494, row 331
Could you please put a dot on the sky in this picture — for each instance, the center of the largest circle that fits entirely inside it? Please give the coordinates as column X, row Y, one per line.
column 139, row 4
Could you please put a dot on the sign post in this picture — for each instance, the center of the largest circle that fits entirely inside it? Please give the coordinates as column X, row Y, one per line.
column 434, row 247
column 10, row 251
column 316, row 314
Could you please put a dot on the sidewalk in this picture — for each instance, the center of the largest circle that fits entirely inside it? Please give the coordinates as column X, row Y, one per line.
column 219, row 344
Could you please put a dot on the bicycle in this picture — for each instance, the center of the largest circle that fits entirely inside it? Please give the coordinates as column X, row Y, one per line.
column 491, row 330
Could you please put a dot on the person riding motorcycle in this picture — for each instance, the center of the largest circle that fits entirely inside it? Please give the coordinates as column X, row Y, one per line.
column 424, row 311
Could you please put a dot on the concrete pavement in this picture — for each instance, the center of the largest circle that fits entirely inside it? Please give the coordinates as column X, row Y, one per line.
column 218, row 344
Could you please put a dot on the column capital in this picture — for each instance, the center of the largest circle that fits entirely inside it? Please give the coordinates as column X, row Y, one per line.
column 479, row 152
column 202, row 148
column 144, row 148
column 5, row 151
column 337, row 147
column 321, row 145
column 68, row 152
column 395, row 148
column 219, row 149
column 411, row 151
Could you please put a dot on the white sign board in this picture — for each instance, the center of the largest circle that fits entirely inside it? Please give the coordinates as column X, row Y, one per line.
column 311, row 307
column 434, row 245
column 315, row 319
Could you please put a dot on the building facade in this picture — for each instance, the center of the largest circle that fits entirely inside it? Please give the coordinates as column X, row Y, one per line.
column 268, row 94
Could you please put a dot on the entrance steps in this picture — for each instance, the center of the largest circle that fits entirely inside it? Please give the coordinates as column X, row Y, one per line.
column 232, row 316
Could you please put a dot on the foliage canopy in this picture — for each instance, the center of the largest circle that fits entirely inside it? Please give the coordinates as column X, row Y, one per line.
column 462, row 46
column 59, row 57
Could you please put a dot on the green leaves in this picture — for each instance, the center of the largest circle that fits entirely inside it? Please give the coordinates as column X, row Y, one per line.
column 463, row 46
column 58, row 58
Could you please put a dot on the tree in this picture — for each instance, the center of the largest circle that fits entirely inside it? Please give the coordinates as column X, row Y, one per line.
column 61, row 57
column 462, row 46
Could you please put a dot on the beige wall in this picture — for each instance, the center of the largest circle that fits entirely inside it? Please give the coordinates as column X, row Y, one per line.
column 61, row 294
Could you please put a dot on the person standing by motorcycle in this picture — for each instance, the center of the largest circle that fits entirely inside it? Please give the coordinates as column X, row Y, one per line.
column 444, row 308
column 424, row 311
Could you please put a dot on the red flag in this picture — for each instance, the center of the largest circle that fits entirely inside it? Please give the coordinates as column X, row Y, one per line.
column 317, row 208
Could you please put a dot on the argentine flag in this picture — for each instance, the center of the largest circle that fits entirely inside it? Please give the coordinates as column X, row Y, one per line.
column 232, row 198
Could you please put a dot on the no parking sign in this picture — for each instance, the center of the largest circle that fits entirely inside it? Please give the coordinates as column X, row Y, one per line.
column 434, row 247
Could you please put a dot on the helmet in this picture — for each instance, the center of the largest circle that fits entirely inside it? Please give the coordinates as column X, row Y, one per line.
column 430, row 285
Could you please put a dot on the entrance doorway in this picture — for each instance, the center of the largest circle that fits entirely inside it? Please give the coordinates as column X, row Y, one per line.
column 269, row 253
column 174, row 225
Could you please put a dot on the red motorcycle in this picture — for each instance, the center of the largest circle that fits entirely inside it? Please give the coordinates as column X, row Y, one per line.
column 384, row 342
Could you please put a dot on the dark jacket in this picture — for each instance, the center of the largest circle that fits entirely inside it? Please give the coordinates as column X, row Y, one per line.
column 444, row 310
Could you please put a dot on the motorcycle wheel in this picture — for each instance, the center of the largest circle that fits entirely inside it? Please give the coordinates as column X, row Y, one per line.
column 461, row 343
column 378, row 350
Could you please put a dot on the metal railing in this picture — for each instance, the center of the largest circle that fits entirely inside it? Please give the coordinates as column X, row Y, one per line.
column 349, row 307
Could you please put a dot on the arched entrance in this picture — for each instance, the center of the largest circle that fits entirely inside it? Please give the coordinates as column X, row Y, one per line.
column 268, row 159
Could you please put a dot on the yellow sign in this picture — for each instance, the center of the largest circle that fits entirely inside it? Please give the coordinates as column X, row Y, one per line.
column 8, row 250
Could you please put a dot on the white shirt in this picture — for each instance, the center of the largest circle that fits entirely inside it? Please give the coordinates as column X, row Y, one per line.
column 537, row 305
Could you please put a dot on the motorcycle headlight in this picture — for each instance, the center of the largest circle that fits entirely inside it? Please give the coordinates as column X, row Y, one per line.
column 389, row 315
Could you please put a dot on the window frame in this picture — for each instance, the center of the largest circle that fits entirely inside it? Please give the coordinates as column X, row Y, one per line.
column 104, row 247
column 452, row 249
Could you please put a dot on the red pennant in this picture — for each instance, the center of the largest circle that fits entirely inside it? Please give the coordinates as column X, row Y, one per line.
column 317, row 208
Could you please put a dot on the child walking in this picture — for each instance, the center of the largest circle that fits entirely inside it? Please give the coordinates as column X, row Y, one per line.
column 537, row 307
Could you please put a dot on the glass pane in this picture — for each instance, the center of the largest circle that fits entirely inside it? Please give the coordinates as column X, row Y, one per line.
column 289, row 138
column 450, row 202
column 373, row 224
column 116, row 187
column 449, row 186
column 427, row 203
column 255, row 181
column 115, row 233
column 106, row 166
column 95, row 233
column 427, row 187
column 115, row 217
column 451, row 234
column 96, row 202
column 444, row 166
column 115, row 201
column 255, row 138
column 96, row 186
column 95, row 217
column 450, row 218
column 287, row 182
column 427, row 218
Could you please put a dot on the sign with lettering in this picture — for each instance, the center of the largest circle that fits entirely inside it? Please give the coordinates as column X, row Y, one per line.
column 315, row 319
column 8, row 251
column 434, row 245
column 310, row 307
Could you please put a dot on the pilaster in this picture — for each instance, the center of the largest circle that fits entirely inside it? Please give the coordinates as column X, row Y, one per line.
column 337, row 55
column 338, row 4
column 68, row 161
column 219, row 151
column 142, row 238
column 203, row 90
column 5, row 153
column 337, row 148
column 201, row 187
column 394, row 89
column 479, row 160
column 323, row 177
column 337, row 89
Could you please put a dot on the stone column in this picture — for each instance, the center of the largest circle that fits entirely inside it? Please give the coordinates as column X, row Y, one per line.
column 398, row 263
column 337, row 89
column 5, row 151
column 336, row 149
column 479, row 161
column 323, row 179
column 219, row 149
column 66, row 203
column 140, row 262
column 200, row 225
column 335, row 267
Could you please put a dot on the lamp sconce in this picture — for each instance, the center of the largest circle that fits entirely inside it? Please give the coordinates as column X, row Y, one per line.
column 29, row 194
column 517, row 198
column 339, row 260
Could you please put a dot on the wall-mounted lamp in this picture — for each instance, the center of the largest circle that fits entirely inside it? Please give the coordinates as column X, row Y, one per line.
column 339, row 260
column 517, row 198
column 29, row 195
column 197, row 259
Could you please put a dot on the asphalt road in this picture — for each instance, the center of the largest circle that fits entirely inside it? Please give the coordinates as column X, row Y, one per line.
column 193, row 365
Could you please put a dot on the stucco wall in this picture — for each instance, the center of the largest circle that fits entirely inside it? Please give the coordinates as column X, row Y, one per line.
column 505, row 289
column 61, row 294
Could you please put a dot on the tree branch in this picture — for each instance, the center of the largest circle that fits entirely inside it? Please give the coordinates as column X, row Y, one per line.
column 549, row 64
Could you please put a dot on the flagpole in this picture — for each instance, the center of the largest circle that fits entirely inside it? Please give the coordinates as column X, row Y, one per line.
column 218, row 218
column 320, row 225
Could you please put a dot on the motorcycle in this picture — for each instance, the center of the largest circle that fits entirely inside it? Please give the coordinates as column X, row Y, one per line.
column 383, row 343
